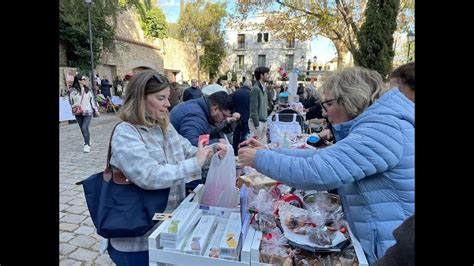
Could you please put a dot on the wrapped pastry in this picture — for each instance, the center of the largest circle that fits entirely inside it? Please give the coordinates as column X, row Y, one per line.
column 261, row 208
column 274, row 249
column 322, row 236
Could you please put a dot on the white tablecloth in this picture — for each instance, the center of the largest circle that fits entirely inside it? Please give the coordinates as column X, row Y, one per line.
column 65, row 112
column 116, row 100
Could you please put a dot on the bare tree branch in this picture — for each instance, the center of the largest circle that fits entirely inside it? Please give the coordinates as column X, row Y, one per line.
column 298, row 9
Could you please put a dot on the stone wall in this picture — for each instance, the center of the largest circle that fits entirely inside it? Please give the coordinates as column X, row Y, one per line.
column 182, row 56
column 133, row 50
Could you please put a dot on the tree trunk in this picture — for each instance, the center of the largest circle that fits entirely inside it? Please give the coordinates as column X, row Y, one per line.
column 198, row 63
column 341, row 53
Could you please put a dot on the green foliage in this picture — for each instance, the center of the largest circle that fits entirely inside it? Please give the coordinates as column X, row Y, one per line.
column 154, row 23
column 376, row 36
column 174, row 31
column 74, row 29
column 412, row 51
column 201, row 25
column 301, row 77
column 214, row 53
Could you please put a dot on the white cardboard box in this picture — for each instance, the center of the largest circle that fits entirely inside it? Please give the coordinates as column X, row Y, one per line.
column 201, row 235
column 160, row 257
column 231, row 249
column 246, row 246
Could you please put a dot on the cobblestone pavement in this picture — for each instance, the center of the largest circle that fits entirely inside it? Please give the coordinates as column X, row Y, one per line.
column 79, row 243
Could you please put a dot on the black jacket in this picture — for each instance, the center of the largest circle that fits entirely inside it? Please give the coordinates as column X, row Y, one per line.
column 314, row 108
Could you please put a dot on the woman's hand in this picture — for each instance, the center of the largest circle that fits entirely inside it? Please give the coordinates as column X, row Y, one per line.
column 221, row 149
column 325, row 134
column 253, row 143
column 96, row 113
column 203, row 153
column 247, row 156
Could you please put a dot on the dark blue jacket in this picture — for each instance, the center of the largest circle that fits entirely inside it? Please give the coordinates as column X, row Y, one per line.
column 192, row 118
column 105, row 88
column 191, row 93
column 241, row 100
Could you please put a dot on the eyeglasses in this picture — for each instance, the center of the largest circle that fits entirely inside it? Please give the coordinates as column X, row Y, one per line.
column 323, row 104
column 226, row 114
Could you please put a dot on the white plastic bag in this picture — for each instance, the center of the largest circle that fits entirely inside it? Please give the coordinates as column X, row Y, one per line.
column 220, row 189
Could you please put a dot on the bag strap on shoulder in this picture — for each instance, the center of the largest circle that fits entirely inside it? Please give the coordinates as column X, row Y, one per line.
column 109, row 152
column 117, row 175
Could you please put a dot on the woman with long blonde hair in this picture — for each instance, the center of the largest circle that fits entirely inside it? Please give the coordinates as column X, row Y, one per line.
column 151, row 154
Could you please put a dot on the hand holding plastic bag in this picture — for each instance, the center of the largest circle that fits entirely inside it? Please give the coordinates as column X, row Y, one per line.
column 220, row 189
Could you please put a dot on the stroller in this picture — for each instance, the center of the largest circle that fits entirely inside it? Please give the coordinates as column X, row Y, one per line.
column 285, row 122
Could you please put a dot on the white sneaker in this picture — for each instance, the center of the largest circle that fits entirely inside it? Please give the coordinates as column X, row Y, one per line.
column 87, row 148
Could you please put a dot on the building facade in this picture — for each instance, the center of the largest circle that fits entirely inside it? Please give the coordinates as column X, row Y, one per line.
column 251, row 47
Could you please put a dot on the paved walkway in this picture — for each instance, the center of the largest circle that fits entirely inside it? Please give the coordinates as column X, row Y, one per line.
column 79, row 244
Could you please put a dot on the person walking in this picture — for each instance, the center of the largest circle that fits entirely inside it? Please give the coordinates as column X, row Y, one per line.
column 84, row 107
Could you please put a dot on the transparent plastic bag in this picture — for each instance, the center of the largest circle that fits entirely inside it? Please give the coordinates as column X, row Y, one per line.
column 220, row 189
column 261, row 203
column 176, row 195
column 274, row 248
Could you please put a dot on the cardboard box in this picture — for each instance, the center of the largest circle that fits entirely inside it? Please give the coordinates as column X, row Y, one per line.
column 178, row 243
column 215, row 241
column 231, row 240
column 199, row 239
column 169, row 257
column 180, row 218
column 162, row 257
column 247, row 244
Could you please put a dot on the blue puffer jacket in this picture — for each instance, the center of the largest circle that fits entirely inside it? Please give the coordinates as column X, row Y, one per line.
column 371, row 164
column 191, row 119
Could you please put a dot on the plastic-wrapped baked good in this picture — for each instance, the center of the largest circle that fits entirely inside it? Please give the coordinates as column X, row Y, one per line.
column 321, row 235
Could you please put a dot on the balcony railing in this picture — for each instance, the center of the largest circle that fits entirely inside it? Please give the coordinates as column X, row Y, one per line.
column 290, row 46
column 240, row 46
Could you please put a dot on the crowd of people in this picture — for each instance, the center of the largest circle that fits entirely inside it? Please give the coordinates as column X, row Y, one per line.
column 370, row 164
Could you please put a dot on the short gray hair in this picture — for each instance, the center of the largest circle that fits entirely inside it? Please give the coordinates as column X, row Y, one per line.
column 354, row 88
column 248, row 83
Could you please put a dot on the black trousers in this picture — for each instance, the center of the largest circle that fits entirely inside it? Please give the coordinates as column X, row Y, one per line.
column 240, row 134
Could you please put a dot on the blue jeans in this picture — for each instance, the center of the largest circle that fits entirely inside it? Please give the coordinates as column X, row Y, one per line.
column 84, row 122
column 128, row 258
